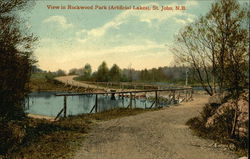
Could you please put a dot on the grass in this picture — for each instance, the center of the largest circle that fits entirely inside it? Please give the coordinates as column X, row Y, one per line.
column 59, row 139
column 46, row 82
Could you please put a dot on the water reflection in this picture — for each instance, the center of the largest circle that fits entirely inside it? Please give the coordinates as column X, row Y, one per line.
column 46, row 103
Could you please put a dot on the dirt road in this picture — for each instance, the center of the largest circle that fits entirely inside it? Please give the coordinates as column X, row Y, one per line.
column 70, row 81
column 154, row 135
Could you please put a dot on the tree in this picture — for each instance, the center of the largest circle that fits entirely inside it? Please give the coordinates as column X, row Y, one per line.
column 144, row 75
column 73, row 71
column 115, row 73
column 87, row 71
column 102, row 74
column 215, row 46
column 15, row 59
column 60, row 72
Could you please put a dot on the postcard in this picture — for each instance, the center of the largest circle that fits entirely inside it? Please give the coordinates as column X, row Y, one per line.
column 124, row 79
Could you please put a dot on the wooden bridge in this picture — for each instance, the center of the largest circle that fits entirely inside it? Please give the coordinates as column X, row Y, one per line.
column 107, row 86
column 176, row 95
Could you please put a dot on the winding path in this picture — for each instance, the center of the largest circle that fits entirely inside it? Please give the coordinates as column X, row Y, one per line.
column 153, row 135
column 69, row 80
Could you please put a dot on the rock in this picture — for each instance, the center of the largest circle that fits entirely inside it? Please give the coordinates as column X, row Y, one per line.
column 242, row 109
column 231, row 147
column 215, row 145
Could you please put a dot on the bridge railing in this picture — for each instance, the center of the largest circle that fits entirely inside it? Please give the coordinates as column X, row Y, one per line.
column 174, row 95
column 129, row 85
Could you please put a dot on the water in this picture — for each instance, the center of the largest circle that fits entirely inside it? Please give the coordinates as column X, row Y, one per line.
column 46, row 103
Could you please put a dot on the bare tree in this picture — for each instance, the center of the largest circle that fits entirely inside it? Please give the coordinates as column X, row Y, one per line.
column 216, row 47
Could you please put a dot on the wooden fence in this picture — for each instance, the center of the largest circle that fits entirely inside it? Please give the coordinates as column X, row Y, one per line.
column 174, row 94
column 129, row 85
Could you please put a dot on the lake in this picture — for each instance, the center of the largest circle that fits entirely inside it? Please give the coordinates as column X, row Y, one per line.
column 46, row 103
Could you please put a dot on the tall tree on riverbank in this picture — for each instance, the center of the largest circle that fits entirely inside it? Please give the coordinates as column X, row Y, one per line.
column 102, row 74
column 216, row 47
column 15, row 59
column 87, row 71
column 115, row 73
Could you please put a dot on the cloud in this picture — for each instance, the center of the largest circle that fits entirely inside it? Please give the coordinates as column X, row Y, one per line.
column 192, row 3
column 153, row 18
column 147, row 54
column 127, row 49
column 183, row 21
column 100, row 31
column 81, row 36
column 137, row 37
column 61, row 20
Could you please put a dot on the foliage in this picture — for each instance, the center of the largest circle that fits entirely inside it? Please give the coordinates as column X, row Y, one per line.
column 73, row 71
column 60, row 72
column 87, row 71
column 115, row 73
column 175, row 74
column 15, row 59
column 216, row 47
column 102, row 74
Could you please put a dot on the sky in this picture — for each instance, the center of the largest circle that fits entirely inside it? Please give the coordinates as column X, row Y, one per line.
column 130, row 38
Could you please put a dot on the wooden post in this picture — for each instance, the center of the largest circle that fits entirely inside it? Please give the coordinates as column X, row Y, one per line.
column 186, row 95
column 96, row 106
column 174, row 96
column 28, row 102
column 130, row 104
column 191, row 91
column 113, row 94
column 65, row 106
column 179, row 97
column 135, row 101
column 122, row 100
column 156, row 99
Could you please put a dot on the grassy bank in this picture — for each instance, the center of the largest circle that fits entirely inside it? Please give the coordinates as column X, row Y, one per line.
column 36, row 138
column 46, row 82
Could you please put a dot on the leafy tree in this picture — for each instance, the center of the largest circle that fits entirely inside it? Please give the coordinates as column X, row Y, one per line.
column 124, row 78
column 87, row 71
column 115, row 73
column 102, row 74
column 15, row 59
column 144, row 75
column 36, row 69
column 60, row 72
column 73, row 71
